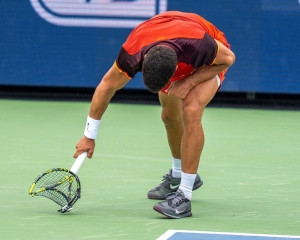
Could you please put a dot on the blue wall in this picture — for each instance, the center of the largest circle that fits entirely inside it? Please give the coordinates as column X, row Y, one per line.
column 75, row 49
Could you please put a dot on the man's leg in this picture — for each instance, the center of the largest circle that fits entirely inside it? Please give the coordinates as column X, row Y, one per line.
column 193, row 137
column 172, row 118
column 192, row 143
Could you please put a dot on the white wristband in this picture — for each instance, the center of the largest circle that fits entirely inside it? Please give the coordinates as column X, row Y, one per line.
column 91, row 128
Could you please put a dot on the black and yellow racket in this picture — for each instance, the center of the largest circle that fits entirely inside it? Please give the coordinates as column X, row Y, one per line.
column 60, row 185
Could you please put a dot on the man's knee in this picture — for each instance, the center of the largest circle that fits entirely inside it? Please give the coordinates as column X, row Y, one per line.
column 171, row 109
column 192, row 112
column 169, row 116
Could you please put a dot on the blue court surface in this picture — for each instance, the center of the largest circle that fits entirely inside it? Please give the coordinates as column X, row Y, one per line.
column 200, row 235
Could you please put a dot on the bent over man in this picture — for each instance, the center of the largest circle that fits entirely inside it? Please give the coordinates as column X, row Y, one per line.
column 184, row 58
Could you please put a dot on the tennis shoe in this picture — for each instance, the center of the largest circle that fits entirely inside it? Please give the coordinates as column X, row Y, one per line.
column 170, row 185
column 175, row 206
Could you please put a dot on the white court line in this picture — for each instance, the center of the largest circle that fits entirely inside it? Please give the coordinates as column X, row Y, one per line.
column 170, row 233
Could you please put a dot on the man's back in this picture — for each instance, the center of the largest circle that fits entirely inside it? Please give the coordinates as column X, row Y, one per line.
column 169, row 25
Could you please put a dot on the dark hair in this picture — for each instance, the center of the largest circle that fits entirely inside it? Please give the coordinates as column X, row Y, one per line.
column 158, row 67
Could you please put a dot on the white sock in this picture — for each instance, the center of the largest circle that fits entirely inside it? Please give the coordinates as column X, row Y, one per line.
column 176, row 168
column 187, row 183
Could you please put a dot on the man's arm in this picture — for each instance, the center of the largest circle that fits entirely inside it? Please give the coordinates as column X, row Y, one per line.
column 224, row 59
column 112, row 81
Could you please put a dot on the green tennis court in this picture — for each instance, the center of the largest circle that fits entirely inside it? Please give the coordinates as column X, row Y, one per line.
column 250, row 167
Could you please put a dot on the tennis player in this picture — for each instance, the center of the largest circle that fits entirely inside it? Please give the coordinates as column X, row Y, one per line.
column 183, row 58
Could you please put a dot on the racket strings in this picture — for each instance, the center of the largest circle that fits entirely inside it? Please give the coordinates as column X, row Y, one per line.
column 59, row 186
column 55, row 196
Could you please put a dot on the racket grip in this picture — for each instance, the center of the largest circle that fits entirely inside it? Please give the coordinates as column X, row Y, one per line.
column 78, row 162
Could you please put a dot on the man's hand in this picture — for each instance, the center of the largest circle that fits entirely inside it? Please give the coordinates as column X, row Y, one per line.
column 85, row 145
column 179, row 88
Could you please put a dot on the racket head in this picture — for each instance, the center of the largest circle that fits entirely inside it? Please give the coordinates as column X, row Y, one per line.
column 59, row 185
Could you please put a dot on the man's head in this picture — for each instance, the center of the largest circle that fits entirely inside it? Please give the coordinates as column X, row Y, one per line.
column 158, row 67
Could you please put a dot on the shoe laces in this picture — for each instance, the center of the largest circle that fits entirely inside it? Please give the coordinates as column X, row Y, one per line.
column 166, row 178
column 175, row 199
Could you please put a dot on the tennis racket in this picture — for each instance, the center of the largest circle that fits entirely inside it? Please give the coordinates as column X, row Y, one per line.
column 60, row 185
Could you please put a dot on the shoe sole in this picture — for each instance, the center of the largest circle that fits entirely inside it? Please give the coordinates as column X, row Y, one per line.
column 155, row 198
column 163, row 198
column 195, row 187
column 159, row 210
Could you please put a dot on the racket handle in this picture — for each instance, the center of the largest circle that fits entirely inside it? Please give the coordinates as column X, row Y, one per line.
column 78, row 162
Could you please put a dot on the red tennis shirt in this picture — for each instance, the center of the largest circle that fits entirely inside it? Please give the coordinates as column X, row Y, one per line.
column 188, row 34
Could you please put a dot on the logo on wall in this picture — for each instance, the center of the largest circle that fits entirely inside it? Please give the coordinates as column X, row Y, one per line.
column 98, row 13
